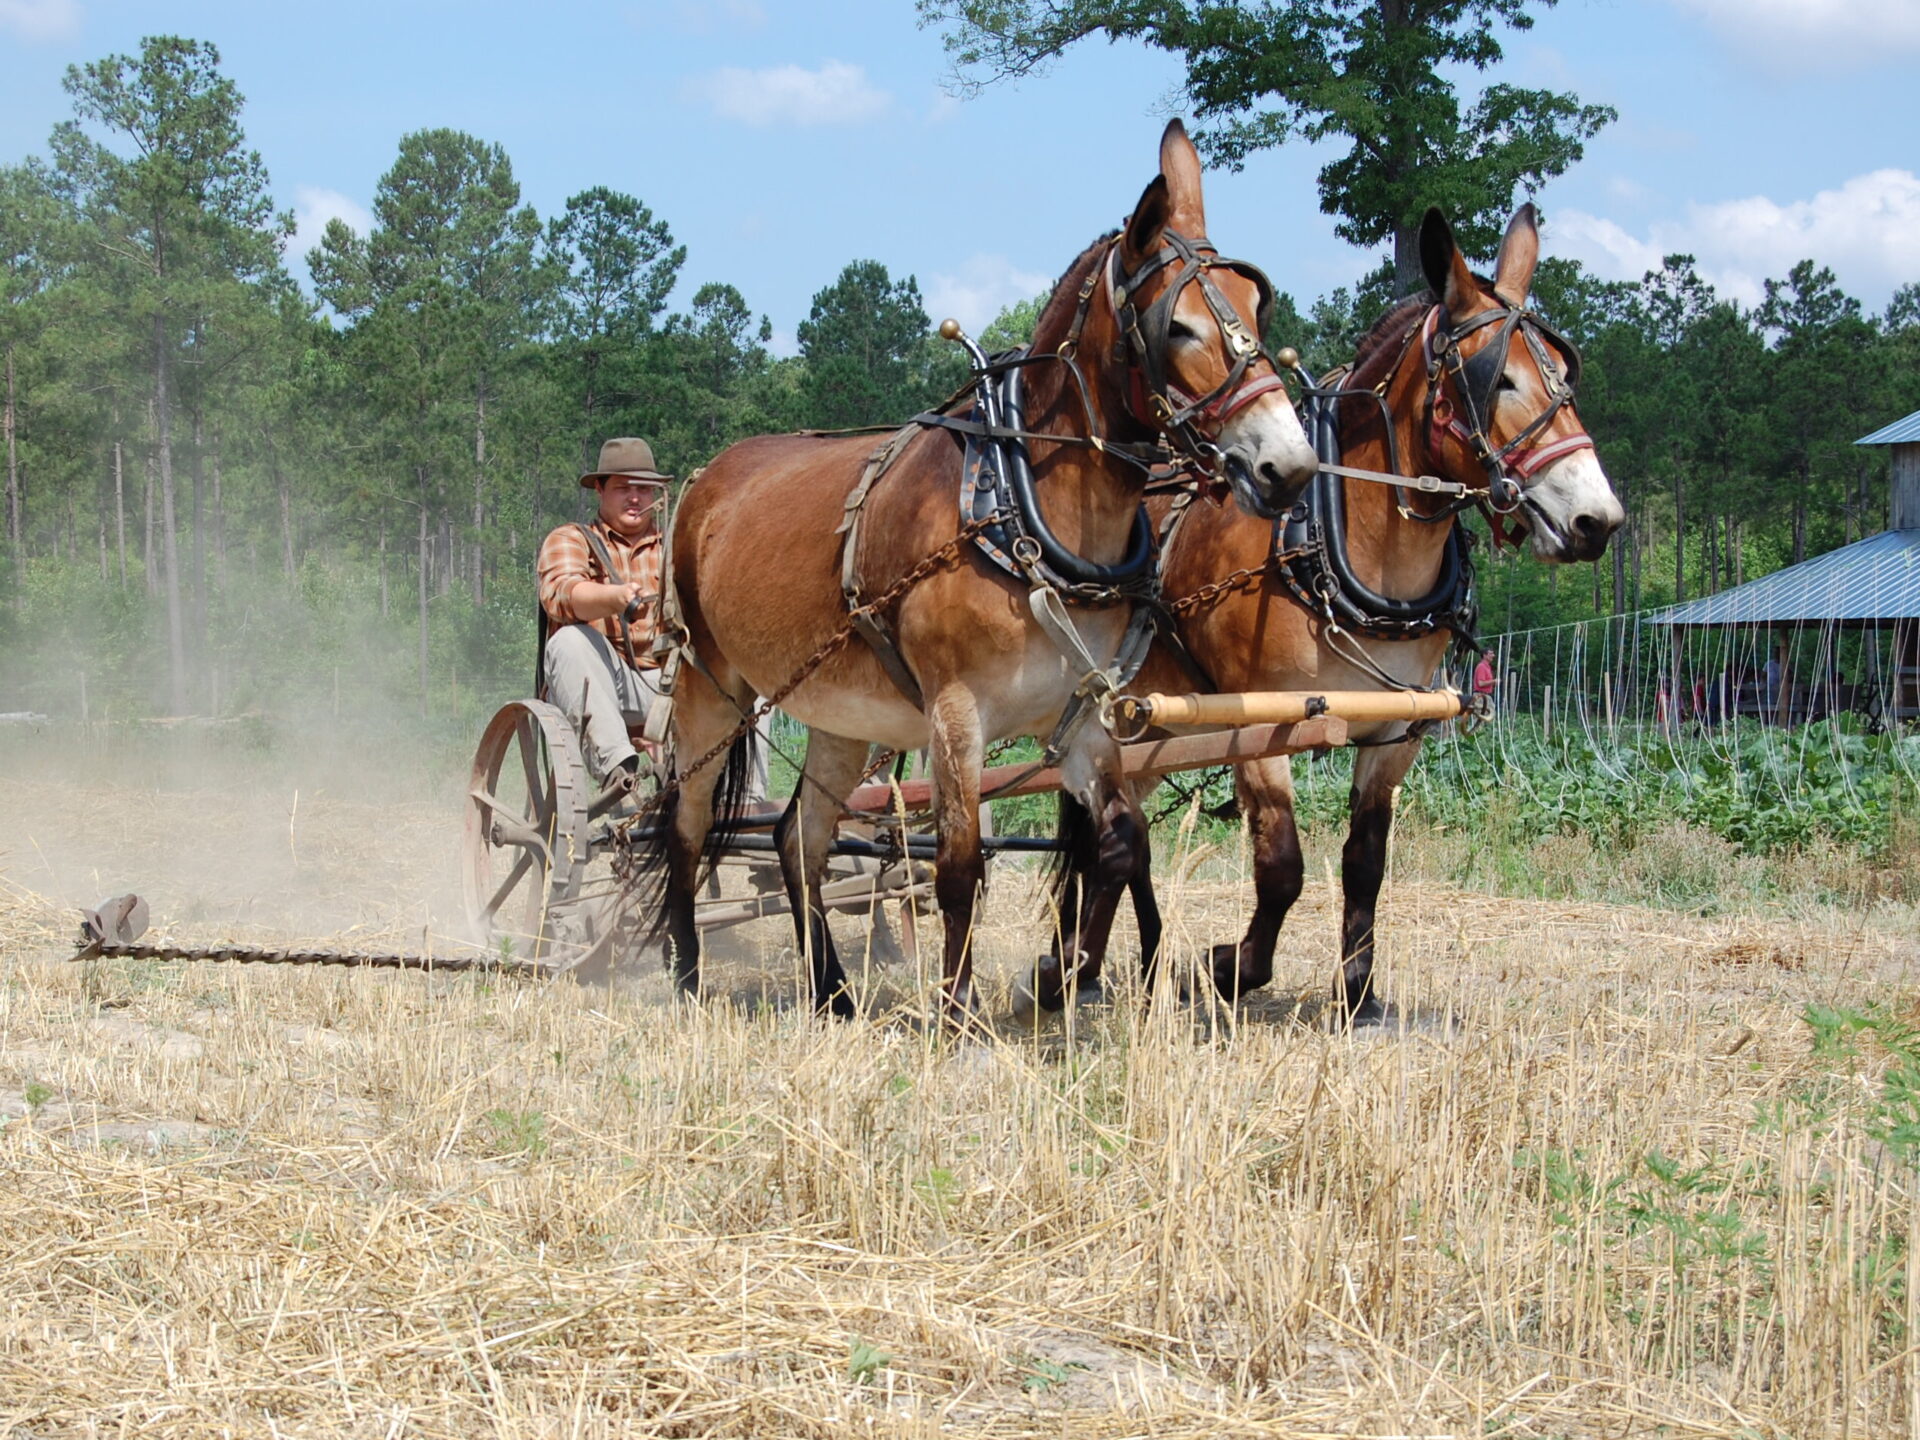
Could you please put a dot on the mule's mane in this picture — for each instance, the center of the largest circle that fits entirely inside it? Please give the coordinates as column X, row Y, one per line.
column 1390, row 328
column 1057, row 314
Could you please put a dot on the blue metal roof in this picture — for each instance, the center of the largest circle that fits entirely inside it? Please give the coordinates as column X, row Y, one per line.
column 1877, row 578
column 1900, row 432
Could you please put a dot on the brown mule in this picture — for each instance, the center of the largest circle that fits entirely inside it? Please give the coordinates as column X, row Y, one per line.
column 1473, row 393
column 757, row 560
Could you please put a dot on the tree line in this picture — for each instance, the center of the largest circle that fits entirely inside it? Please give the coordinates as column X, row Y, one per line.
column 183, row 423
column 207, row 467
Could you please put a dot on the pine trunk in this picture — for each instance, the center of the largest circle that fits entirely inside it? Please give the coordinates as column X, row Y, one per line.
column 1679, row 542
column 219, row 523
column 479, row 489
column 120, row 504
column 169, row 530
column 15, row 524
column 286, row 514
column 146, row 510
column 199, row 474
column 421, row 474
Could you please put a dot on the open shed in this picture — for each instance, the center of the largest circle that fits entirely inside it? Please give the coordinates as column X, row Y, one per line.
column 1871, row 587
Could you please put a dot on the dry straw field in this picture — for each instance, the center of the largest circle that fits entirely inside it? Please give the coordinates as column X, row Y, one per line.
column 1600, row 1179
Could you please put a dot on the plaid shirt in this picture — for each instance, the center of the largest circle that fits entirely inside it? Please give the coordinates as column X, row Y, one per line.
column 566, row 559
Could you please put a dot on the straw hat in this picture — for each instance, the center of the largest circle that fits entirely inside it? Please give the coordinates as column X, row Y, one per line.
column 628, row 456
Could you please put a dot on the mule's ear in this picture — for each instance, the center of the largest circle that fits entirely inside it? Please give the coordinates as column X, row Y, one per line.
column 1149, row 218
column 1180, row 164
column 1519, row 254
column 1443, row 264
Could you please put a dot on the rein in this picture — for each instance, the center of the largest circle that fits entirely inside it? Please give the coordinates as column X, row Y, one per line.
column 1477, row 381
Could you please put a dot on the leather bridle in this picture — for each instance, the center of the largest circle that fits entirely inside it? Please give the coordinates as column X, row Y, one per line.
column 1190, row 423
column 1510, row 467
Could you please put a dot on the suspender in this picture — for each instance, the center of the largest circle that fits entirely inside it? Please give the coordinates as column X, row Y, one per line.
column 600, row 552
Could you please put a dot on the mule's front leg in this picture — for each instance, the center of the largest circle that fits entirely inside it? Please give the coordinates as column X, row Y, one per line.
column 960, row 867
column 1377, row 774
column 1265, row 789
column 701, row 718
column 805, row 839
column 1107, row 852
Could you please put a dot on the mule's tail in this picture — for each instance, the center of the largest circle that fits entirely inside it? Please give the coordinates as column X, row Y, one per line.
column 653, row 874
column 1076, row 840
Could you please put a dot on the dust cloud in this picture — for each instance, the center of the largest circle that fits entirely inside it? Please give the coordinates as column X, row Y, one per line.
column 257, row 827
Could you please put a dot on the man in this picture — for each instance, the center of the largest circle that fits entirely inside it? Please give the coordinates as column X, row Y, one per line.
column 600, row 589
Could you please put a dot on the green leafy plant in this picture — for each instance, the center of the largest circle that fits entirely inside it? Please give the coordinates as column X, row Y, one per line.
column 516, row 1132
column 1042, row 1374
column 865, row 1362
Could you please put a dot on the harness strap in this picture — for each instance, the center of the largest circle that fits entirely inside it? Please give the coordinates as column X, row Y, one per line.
column 1098, row 683
column 605, row 557
column 669, row 649
column 873, row 627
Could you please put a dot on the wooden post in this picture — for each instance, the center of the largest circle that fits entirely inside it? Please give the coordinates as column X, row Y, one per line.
column 1782, row 696
column 1546, row 716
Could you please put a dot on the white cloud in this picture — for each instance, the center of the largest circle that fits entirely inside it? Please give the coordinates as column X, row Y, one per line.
column 1789, row 33
column 1867, row 231
column 835, row 94
column 984, row 286
column 40, row 19
column 313, row 207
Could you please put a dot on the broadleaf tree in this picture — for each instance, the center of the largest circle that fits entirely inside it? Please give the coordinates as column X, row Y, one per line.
column 1374, row 75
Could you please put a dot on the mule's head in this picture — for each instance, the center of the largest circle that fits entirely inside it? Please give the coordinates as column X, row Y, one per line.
column 1189, row 326
column 1503, row 400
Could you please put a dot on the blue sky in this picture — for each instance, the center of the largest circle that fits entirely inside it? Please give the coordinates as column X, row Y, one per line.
column 781, row 140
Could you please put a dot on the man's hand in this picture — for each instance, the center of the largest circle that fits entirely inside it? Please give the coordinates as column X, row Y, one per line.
column 592, row 600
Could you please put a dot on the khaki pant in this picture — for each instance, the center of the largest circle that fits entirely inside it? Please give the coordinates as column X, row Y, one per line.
column 596, row 688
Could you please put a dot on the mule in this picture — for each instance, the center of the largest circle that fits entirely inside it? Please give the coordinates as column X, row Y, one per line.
column 1142, row 322
column 1464, row 384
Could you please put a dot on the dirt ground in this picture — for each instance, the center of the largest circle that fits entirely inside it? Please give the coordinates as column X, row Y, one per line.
column 253, row 1201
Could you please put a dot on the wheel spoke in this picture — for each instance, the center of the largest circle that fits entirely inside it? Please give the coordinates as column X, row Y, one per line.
column 537, row 799
column 506, row 886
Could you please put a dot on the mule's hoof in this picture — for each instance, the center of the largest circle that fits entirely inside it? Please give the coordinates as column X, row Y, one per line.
column 839, row 1005
column 960, row 1015
column 1037, row 991
column 1370, row 1014
column 1025, row 1008
column 1089, row 992
column 1224, row 961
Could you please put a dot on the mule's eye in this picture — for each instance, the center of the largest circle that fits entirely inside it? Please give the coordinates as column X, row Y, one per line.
column 1179, row 330
column 1506, row 383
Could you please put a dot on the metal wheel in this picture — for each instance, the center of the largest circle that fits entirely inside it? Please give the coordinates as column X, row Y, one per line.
column 526, row 846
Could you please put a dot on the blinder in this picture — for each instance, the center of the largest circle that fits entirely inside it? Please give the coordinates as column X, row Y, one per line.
column 1478, row 375
column 1147, row 336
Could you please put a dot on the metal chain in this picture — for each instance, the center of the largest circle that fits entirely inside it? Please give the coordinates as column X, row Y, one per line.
column 833, row 644
column 260, row 955
column 1247, row 577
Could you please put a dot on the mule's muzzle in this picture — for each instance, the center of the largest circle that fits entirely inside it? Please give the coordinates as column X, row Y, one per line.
column 1582, row 536
column 1263, row 487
